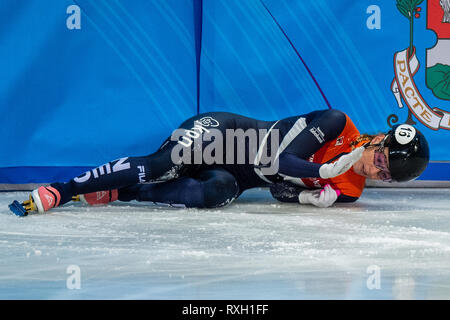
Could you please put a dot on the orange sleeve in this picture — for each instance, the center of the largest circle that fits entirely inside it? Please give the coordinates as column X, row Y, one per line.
column 349, row 183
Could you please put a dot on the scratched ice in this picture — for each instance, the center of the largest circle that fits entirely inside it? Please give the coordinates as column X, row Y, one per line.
column 391, row 244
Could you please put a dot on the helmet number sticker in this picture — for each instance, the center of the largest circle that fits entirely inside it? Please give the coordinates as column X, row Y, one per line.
column 405, row 133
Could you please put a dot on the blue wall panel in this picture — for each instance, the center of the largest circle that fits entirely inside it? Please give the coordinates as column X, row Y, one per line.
column 80, row 97
column 248, row 66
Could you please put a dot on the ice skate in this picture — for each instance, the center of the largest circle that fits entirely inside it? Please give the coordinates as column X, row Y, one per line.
column 98, row 198
column 41, row 200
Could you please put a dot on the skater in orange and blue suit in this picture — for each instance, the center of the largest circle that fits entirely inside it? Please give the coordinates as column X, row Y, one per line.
column 321, row 158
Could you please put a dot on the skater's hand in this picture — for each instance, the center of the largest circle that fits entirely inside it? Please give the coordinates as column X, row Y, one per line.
column 320, row 198
column 331, row 170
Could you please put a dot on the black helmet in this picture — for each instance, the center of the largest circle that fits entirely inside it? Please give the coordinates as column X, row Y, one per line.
column 408, row 152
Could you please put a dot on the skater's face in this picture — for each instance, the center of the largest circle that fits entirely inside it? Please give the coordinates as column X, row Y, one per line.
column 373, row 165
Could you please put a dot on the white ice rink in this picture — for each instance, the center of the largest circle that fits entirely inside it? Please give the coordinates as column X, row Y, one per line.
column 391, row 244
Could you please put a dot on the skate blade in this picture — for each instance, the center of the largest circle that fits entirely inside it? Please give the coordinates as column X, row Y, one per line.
column 18, row 209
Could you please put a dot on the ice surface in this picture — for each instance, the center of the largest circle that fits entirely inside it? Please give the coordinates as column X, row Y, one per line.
column 256, row 248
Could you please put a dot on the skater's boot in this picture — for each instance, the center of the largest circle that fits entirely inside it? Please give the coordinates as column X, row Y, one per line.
column 42, row 199
column 98, row 198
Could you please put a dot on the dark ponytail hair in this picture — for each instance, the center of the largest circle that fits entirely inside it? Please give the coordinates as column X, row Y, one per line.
column 364, row 137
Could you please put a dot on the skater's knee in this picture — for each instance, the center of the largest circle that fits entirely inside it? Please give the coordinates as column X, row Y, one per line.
column 209, row 190
column 219, row 191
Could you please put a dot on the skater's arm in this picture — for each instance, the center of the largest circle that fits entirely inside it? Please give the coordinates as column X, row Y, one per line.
column 285, row 191
column 288, row 192
column 322, row 126
column 294, row 166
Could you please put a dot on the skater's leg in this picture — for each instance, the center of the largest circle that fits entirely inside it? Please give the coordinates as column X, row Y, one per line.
column 121, row 173
column 160, row 166
column 106, row 196
column 207, row 189
column 112, row 175
column 129, row 193
column 126, row 171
